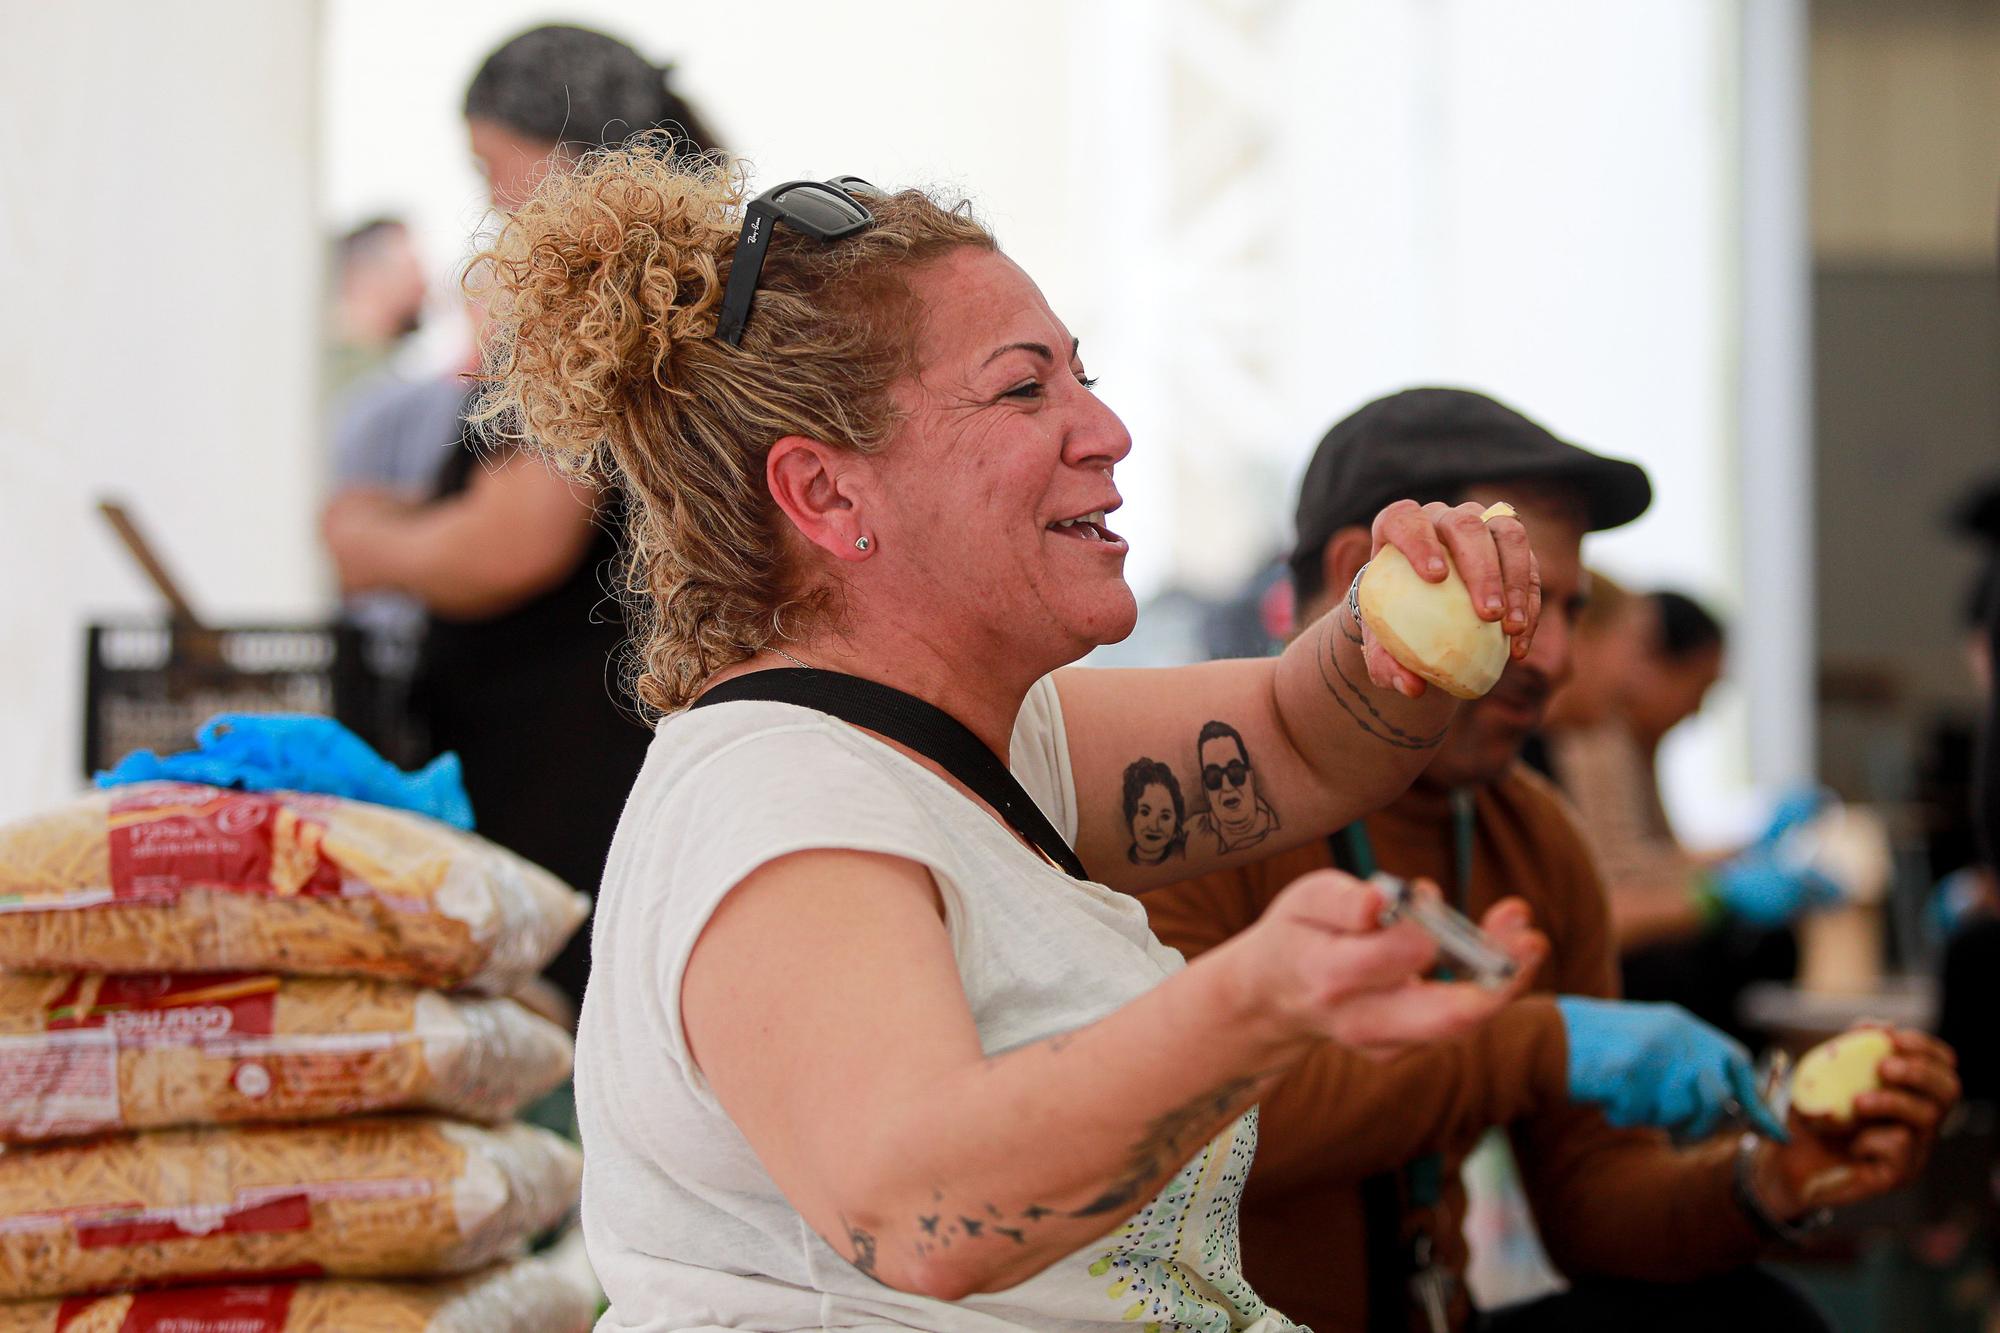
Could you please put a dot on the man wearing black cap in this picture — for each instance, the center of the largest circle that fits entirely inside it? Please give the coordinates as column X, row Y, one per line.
column 1353, row 1214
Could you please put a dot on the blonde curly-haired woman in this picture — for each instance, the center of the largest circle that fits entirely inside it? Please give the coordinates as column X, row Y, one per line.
column 856, row 1052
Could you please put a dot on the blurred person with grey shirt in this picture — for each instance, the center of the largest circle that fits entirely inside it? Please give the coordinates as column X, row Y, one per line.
column 518, row 569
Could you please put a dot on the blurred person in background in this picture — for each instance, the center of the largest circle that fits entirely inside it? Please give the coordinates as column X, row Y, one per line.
column 378, row 301
column 558, row 91
column 1613, row 629
column 393, row 434
column 1353, row 1216
column 1690, row 929
column 516, row 567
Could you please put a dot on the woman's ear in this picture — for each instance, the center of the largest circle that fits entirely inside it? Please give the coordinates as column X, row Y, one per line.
column 818, row 487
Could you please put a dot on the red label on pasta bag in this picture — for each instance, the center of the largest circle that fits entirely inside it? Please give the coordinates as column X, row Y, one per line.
column 159, row 1009
column 261, row 1308
column 288, row 1212
column 170, row 838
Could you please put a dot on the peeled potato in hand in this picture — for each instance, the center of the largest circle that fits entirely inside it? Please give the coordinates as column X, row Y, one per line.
column 1832, row 1074
column 1431, row 628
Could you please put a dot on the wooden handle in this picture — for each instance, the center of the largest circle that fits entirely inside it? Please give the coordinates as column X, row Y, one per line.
column 142, row 552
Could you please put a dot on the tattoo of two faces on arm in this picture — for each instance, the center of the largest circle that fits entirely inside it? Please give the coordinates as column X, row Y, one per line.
column 1235, row 815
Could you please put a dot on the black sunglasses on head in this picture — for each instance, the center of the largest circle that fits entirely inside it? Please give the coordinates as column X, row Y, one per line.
column 823, row 210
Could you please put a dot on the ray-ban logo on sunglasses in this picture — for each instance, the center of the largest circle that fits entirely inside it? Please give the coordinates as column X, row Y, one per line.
column 756, row 225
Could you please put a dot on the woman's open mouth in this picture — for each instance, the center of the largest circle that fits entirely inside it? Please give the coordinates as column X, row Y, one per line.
column 1088, row 528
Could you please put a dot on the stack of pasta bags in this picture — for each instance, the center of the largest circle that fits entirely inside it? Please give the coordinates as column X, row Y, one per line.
column 256, row 1065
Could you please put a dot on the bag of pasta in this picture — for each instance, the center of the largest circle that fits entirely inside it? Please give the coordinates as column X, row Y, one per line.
column 386, row 1197
column 86, row 1053
column 175, row 877
column 525, row 1296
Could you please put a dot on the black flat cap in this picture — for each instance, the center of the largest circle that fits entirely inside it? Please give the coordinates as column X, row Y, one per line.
column 1424, row 444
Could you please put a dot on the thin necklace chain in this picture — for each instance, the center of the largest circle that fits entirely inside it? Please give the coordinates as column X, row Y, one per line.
column 787, row 656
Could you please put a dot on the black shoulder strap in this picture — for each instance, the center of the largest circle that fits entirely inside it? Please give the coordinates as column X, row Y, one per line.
column 908, row 720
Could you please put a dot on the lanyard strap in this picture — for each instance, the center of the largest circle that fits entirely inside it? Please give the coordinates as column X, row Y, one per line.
column 1462, row 833
column 908, row 720
column 1423, row 1178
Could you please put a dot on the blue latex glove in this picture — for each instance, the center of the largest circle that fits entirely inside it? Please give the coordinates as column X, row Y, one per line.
column 296, row 752
column 1794, row 809
column 1659, row 1065
column 1760, row 887
column 1955, row 899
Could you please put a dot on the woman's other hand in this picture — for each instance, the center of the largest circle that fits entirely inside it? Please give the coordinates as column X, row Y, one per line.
column 1321, row 964
column 1492, row 557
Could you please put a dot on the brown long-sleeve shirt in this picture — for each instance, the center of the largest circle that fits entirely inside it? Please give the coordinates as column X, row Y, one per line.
column 1609, row 1202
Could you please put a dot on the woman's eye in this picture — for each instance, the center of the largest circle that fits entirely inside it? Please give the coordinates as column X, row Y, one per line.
column 1034, row 388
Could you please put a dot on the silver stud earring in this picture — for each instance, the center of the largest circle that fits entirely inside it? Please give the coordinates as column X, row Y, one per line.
column 861, row 543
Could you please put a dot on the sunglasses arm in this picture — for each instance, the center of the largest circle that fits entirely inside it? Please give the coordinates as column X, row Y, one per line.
column 759, row 218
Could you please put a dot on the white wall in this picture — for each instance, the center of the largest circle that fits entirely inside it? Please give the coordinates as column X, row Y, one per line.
column 159, row 274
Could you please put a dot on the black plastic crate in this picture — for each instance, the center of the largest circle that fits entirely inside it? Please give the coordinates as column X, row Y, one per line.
column 150, row 684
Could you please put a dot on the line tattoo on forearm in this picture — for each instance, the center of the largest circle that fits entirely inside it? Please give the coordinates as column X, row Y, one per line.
column 1350, row 629
column 1167, row 1143
column 1381, row 728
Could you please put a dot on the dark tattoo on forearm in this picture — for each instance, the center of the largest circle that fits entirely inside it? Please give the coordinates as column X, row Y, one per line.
column 863, row 1243
column 938, row 1234
column 1167, row 1142
column 1381, row 728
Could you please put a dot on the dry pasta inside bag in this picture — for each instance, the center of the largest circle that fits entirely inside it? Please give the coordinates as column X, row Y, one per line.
column 86, row 1053
column 524, row 1296
column 390, row 1196
column 177, row 877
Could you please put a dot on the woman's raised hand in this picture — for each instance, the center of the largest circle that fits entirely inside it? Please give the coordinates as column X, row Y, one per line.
column 1491, row 555
column 1320, row 964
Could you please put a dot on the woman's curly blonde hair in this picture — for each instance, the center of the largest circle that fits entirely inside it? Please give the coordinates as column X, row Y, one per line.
column 605, row 291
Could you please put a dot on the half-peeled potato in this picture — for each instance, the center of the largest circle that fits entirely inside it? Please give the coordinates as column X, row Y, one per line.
column 1431, row 628
column 1834, row 1073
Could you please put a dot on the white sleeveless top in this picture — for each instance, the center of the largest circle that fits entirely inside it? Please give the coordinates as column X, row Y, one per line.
column 684, row 1227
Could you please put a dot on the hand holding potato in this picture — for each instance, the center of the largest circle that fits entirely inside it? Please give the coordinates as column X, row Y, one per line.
column 1457, row 594
column 1841, row 1151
